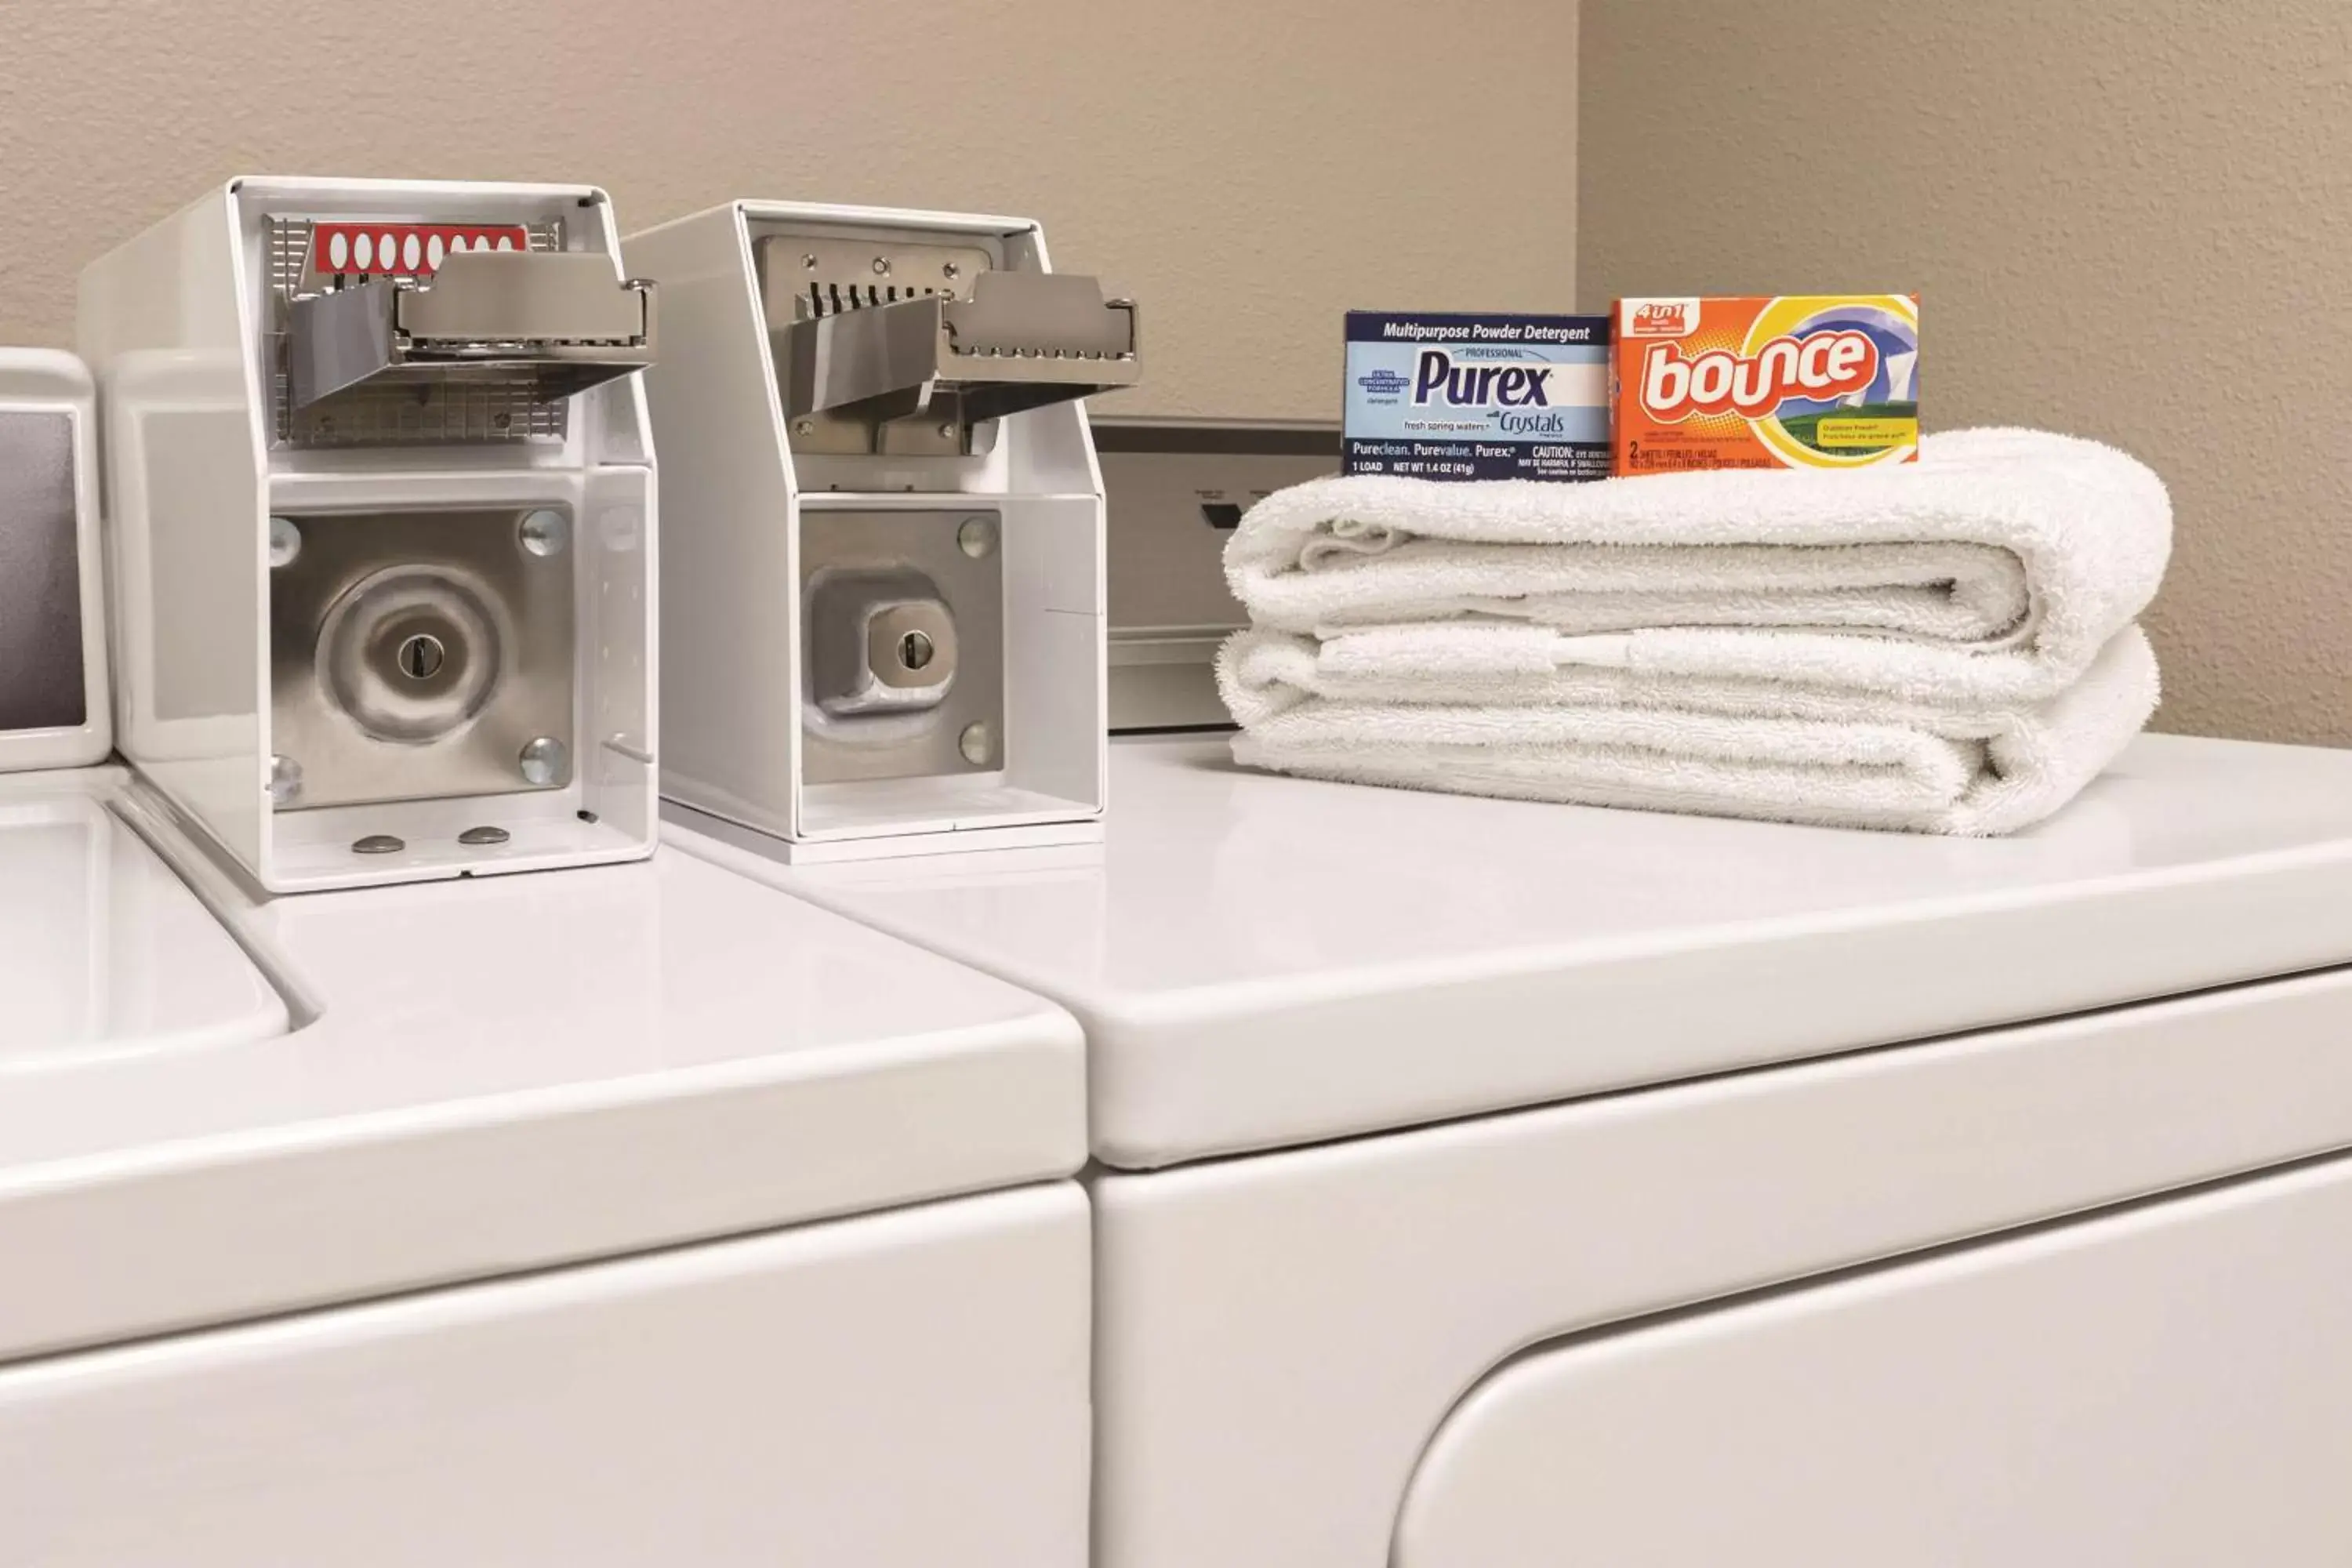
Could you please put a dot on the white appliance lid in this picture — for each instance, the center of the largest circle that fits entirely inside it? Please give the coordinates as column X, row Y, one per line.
column 1262, row 962
column 104, row 954
column 492, row 1074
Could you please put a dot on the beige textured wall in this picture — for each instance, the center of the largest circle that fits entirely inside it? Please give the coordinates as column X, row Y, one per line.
column 2130, row 220
column 1246, row 170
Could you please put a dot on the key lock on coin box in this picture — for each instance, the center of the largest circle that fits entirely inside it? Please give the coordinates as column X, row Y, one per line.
column 385, row 509
column 883, row 563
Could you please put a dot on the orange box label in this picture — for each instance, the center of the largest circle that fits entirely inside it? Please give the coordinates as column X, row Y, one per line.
column 1816, row 381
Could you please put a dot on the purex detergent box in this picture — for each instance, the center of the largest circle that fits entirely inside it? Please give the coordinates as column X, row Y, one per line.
column 1456, row 396
column 1791, row 381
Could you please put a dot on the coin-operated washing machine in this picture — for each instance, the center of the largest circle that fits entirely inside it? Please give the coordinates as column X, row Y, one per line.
column 1481, row 1183
column 882, row 563
column 605, row 1215
column 382, row 496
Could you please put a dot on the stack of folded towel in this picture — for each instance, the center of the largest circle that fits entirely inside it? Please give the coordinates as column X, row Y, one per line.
column 1943, row 647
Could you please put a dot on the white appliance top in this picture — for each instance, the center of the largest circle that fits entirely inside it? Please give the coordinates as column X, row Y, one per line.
column 463, row 1079
column 1261, row 962
column 104, row 954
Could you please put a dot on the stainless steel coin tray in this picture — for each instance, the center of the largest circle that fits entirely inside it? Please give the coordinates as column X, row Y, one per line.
column 912, row 348
column 481, row 345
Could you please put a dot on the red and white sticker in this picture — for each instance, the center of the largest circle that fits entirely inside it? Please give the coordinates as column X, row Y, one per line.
column 404, row 249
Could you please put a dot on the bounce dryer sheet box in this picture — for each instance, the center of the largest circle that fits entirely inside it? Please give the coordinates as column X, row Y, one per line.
column 1797, row 380
column 1449, row 396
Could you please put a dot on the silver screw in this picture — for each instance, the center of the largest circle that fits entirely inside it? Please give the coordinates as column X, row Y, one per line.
column 480, row 836
column 881, row 266
column 378, row 844
column 545, row 533
column 975, row 744
column 947, row 428
column 949, row 269
column 285, row 542
column 803, row 427
column 977, row 537
column 285, row 780
column 545, row 761
column 809, row 261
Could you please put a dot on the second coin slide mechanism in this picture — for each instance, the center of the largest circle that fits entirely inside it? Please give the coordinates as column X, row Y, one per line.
column 907, row 401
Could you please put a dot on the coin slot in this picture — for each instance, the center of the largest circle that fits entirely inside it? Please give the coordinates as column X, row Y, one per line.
column 421, row 656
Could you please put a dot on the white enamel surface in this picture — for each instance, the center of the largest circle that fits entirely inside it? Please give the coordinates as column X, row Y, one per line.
column 162, row 323
column 899, row 1389
column 104, row 954
column 509, row 1072
column 1261, row 961
column 1280, row 1337
column 730, row 560
column 2166, row 1388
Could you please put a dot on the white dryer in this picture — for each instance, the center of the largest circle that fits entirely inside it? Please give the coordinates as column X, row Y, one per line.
column 1484, row 1183
column 606, row 1217
column 609, row 1217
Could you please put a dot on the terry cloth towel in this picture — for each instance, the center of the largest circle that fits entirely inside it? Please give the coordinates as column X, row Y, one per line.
column 1781, row 750
column 1945, row 645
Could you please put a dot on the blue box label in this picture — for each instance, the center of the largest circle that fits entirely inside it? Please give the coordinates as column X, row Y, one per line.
column 1460, row 396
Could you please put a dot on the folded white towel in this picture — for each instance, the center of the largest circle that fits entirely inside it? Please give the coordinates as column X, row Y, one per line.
column 1945, row 647
column 1725, row 747
column 2003, row 560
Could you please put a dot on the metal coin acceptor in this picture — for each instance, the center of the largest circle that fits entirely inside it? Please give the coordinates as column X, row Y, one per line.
column 381, row 492
column 884, row 568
